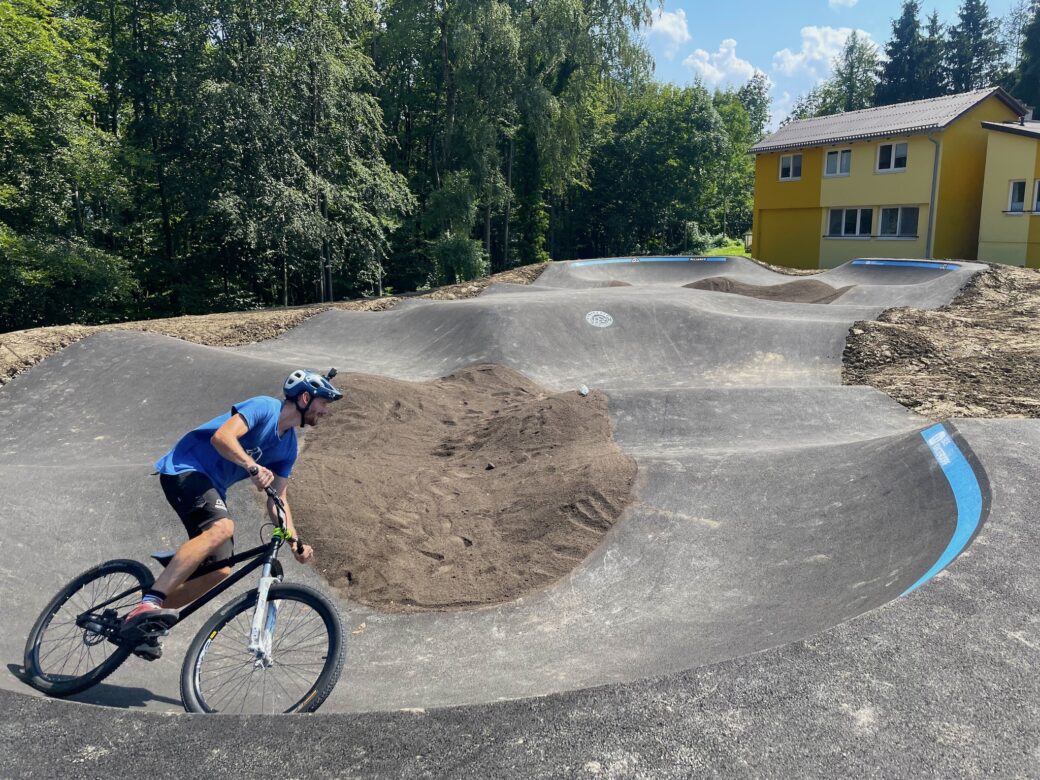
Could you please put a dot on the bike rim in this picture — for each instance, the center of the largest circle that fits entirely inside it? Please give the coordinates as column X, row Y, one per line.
column 228, row 678
column 64, row 651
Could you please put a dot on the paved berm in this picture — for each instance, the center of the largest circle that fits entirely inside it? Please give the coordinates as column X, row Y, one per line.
column 805, row 578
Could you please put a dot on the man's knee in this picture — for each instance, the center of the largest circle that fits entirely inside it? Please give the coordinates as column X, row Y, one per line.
column 221, row 540
column 220, row 532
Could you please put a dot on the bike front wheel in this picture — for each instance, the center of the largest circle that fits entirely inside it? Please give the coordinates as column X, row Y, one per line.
column 221, row 674
column 70, row 647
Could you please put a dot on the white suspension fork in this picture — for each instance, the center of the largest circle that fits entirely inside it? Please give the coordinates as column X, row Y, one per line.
column 264, row 616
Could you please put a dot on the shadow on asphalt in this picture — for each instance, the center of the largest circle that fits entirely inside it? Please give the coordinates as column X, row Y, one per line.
column 108, row 695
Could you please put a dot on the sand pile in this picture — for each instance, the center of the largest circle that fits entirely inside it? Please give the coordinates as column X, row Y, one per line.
column 801, row 291
column 460, row 492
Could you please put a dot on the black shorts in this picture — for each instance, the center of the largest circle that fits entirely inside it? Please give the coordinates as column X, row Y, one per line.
column 198, row 505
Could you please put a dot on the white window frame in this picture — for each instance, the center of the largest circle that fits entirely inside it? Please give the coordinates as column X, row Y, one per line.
column 792, row 177
column 899, row 224
column 1011, row 197
column 1036, row 197
column 893, row 169
column 839, row 173
column 859, row 223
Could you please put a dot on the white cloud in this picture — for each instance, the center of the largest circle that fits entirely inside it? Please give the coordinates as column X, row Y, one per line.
column 671, row 28
column 842, row 3
column 722, row 67
column 820, row 45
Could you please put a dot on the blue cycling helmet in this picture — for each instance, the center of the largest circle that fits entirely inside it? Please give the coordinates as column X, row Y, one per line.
column 305, row 381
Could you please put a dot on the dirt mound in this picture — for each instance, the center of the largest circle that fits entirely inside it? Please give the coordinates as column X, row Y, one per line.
column 977, row 357
column 801, row 291
column 461, row 492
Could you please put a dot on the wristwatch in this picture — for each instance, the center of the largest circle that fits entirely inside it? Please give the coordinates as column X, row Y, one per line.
column 254, row 470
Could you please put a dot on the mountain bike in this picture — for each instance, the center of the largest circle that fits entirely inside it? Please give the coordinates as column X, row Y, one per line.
column 277, row 648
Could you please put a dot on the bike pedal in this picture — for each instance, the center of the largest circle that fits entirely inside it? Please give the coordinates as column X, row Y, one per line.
column 150, row 629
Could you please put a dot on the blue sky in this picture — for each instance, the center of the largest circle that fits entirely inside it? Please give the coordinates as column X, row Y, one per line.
column 793, row 43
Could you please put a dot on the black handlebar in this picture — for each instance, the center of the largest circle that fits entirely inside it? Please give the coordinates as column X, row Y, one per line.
column 274, row 495
column 281, row 513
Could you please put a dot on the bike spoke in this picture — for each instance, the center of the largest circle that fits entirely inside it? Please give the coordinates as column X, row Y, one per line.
column 231, row 679
column 64, row 650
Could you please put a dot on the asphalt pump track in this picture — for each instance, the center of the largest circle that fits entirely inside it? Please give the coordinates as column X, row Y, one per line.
column 772, row 503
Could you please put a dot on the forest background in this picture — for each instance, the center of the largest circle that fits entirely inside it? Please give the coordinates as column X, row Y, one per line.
column 161, row 157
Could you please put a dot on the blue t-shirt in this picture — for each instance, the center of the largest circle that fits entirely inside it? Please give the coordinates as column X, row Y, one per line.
column 194, row 452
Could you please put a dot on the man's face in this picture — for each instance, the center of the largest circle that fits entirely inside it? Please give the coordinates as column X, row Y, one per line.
column 318, row 409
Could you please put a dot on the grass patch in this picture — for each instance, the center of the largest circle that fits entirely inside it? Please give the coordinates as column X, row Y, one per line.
column 734, row 248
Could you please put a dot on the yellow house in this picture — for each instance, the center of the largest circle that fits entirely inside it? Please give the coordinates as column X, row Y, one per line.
column 895, row 181
column 1009, row 228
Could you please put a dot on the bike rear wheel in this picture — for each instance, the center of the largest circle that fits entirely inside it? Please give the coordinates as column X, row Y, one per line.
column 220, row 673
column 63, row 656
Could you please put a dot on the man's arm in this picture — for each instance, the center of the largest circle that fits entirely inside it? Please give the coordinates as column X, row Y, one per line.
column 226, row 442
column 280, row 486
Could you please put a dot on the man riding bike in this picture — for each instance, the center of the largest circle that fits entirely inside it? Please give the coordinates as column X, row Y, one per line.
column 256, row 440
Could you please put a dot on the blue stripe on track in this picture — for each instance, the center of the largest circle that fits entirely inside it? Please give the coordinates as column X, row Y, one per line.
column 640, row 260
column 966, row 492
column 910, row 264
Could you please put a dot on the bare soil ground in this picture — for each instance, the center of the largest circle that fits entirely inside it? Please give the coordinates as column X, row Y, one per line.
column 800, row 291
column 461, row 492
column 977, row 357
column 20, row 350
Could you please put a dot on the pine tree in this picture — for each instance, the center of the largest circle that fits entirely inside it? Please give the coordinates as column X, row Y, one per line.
column 933, row 77
column 1027, row 85
column 855, row 74
column 900, row 75
column 975, row 51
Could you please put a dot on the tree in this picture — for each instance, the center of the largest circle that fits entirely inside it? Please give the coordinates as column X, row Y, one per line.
column 754, row 96
column 730, row 214
column 818, row 101
column 58, row 180
column 513, row 92
column 900, row 79
column 452, row 79
column 934, row 77
column 975, row 54
column 1013, row 28
column 1027, row 81
column 570, row 50
column 660, row 172
column 53, row 161
column 855, row 74
column 48, row 280
column 851, row 88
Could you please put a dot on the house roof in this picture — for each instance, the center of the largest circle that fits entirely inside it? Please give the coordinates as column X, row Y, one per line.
column 920, row 116
column 1028, row 129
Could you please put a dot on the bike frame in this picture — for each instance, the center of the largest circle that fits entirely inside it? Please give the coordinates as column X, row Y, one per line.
column 261, row 557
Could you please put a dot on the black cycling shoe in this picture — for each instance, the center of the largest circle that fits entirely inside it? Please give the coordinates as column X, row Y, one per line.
column 149, row 650
column 148, row 621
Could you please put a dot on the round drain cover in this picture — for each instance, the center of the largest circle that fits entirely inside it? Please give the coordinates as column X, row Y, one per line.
column 599, row 319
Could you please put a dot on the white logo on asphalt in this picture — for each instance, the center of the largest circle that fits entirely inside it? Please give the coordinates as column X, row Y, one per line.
column 599, row 319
